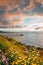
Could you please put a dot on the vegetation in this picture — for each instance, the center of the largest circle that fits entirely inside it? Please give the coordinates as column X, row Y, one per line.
column 20, row 54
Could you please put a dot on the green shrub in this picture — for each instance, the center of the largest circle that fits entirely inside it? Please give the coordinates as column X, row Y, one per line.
column 3, row 47
column 3, row 63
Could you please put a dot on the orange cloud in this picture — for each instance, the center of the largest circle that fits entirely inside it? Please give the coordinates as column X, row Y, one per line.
column 19, row 21
column 12, row 19
column 39, row 1
column 30, row 6
column 0, row 24
column 12, row 4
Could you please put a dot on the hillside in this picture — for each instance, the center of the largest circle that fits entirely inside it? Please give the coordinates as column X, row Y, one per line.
column 20, row 54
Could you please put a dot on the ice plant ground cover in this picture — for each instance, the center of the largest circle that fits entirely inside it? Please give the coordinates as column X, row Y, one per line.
column 16, row 53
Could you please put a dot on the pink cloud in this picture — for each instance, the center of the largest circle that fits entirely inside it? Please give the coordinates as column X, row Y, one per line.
column 39, row 1
column 30, row 6
column 1, row 24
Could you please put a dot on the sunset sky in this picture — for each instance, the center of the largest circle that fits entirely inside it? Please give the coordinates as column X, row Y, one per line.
column 21, row 14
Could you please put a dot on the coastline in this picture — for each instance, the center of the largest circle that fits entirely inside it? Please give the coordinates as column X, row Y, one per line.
column 12, row 50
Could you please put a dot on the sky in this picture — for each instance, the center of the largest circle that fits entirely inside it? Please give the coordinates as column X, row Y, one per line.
column 21, row 14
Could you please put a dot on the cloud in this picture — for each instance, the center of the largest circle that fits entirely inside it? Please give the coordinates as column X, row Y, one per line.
column 11, row 20
column 14, row 12
column 17, row 22
column 40, row 1
column 29, row 7
column 2, row 10
column 3, row 20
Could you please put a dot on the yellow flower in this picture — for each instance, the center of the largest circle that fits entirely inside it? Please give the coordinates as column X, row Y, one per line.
column 16, row 62
column 33, row 64
column 24, row 64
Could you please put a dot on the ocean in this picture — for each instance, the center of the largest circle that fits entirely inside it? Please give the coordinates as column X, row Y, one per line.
column 27, row 38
